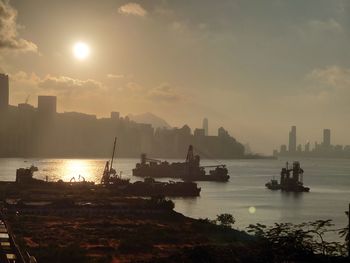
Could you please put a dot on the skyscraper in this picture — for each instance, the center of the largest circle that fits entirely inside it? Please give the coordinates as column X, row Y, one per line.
column 326, row 137
column 47, row 105
column 205, row 126
column 293, row 139
column 4, row 92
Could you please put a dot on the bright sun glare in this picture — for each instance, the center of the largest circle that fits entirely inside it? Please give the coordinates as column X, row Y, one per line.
column 81, row 50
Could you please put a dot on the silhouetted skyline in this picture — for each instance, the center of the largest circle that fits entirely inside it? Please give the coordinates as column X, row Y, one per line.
column 318, row 149
column 255, row 67
column 27, row 131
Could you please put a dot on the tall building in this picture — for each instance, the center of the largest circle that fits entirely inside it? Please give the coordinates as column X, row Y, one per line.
column 283, row 148
column 47, row 105
column 115, row 115
column 307, row 147
column 205, row 126
column 326, row 137
column 4, row 92
column 222, row 132
column 199, row 132
column 293, row 139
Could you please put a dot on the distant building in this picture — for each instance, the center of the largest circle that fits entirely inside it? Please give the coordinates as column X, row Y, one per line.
column 222, row 132
column 47, row 105
column 185, row 130
column 307, row 147
column 283, row 148
column 324, row 149
column 4, row 92
column 293, row 139
column 199, row 132
column 327, row 138
column 299, row 148
column 205, row 126
column 25, row 107
column 115, row 115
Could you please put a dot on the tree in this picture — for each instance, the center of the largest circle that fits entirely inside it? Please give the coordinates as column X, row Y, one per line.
column 345, row 233
column 226, row 220
column 291, row 241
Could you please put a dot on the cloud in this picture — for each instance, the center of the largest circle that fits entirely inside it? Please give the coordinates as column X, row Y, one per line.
column 329, row 85
column 134, row 87
column 9, row 38
column 89, row 95
column 62, row 86
column 164, row 93
column 68, row 86
column 132, row 9
column 333, row 77
column 115, row 76
column 330, row 25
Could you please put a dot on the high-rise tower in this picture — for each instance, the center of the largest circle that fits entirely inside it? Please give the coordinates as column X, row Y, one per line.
column 326, row 137
column 293, row 139
column 47, row 105
column 205, row 126
column 4, row 92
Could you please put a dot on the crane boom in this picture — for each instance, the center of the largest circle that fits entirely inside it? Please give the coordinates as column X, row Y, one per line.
column 115, row 142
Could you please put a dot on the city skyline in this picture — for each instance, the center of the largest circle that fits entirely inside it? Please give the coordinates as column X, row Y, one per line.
column 49, row 106
column 27, row 131
column 195, row 57
column 325, row 148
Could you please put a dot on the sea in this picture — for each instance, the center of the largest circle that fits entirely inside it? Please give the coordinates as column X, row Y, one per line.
column 244, row 196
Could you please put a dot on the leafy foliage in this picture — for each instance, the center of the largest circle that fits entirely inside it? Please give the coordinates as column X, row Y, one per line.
column 344, row 232
column 226, row 220
column 298, row 240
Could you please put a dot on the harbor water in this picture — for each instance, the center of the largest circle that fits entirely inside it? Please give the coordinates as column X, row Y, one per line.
column 244, row 196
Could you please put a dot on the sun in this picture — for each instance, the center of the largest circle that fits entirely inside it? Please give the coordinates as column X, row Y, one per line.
column 81, row 50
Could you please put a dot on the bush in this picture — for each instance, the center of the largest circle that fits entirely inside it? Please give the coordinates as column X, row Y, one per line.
column 226, row 220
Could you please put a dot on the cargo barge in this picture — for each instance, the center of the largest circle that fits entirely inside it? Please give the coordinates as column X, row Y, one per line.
column 190, row 170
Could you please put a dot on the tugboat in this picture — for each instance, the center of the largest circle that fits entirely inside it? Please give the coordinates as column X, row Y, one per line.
column 288, row 182
column 273, row 185
column 190, row 170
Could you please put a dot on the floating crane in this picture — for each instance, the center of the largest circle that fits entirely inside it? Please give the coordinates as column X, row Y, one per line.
column 189, row 170
column 109, row 171
column 110, row 175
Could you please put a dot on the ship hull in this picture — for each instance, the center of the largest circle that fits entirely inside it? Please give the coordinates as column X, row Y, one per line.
column 179, row 174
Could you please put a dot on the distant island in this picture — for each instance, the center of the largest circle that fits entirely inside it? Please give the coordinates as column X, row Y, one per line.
column 28, row 131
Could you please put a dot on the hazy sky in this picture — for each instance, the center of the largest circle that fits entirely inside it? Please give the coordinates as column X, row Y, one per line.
column 255, row 67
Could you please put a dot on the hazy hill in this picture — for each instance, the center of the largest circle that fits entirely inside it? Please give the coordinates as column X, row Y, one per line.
column 149, row 118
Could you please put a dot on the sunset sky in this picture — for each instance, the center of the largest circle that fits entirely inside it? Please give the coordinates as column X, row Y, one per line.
column 255, row 67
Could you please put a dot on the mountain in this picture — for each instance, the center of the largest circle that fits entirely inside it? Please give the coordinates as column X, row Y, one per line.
column 149, row 118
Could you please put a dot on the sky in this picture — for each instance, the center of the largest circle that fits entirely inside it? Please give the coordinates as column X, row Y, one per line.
column 254, row 67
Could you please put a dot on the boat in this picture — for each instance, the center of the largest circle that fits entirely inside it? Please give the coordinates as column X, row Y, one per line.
column 34, row 168
column 273, row 185
column 148, row 187
column 151, row 187
column 110, row 175
column 190, row 170
column 291, row 180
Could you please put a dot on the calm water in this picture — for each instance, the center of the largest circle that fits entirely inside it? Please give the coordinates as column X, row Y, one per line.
column 244, row 196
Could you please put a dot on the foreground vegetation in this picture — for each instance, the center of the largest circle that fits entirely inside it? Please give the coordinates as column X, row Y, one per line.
column 149, row 230
column 171, row 237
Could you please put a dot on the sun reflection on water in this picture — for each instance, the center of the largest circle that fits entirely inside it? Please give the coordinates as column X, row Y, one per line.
column 74, row 168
